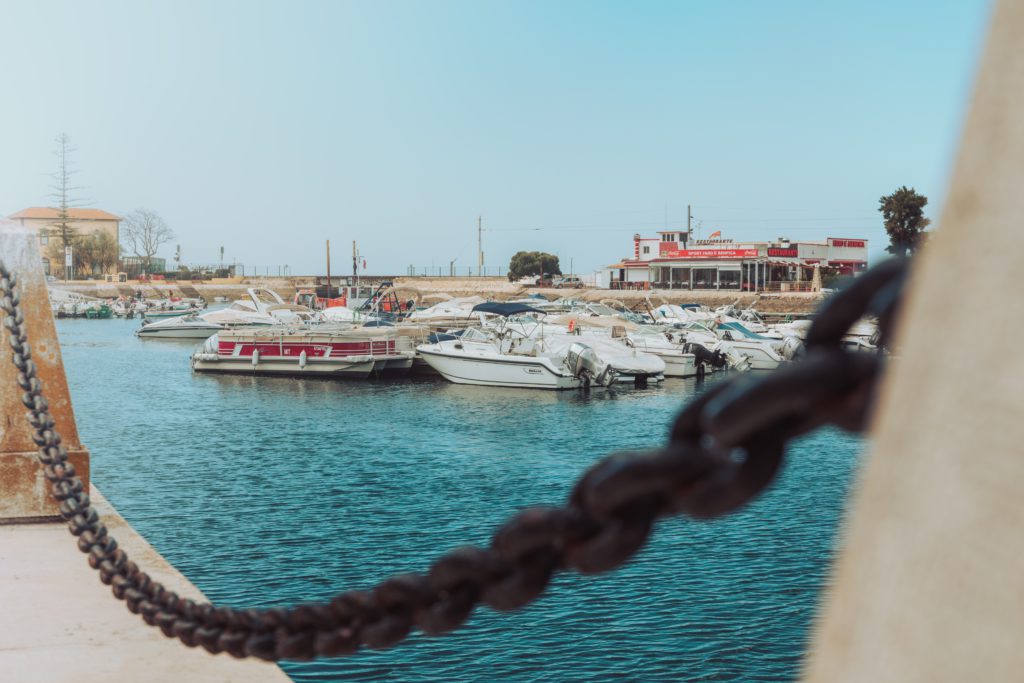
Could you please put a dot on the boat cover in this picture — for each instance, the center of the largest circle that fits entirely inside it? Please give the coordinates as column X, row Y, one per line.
column 505, row 309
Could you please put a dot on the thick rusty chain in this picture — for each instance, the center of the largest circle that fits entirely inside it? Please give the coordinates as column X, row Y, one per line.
column 724, row 449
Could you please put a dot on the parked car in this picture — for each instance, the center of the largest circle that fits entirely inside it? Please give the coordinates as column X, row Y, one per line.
column 570, row 281
column 545, row 280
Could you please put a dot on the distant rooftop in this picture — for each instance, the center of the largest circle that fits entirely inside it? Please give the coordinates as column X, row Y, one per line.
column 74, row 214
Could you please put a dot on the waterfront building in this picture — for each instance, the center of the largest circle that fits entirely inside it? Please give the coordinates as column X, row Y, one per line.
column 673, row 261
column 83, row 222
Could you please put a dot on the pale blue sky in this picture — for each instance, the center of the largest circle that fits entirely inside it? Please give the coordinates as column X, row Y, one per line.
column 268, row 127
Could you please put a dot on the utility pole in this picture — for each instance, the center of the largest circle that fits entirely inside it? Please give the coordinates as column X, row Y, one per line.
column 328, row 269
column 689, row 220
column 479, row 246
column 355, row 263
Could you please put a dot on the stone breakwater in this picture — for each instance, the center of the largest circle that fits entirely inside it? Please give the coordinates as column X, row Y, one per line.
column 427, row 289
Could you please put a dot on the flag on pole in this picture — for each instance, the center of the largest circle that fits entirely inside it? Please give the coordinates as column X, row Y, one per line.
column 716, row 233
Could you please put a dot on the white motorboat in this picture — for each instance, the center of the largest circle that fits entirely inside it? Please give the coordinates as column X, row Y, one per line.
column 606, row 337
column 479, row 360
column 263, row 307
column 449, row 313
column 171, row 308
column 526, row 353
column 189, row 326
column 679, row 362
column 743, row 349
column 681, row 314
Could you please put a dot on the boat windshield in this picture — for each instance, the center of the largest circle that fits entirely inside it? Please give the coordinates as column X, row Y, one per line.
column 601, row 309
column 751, row 317
column 474, row 334
column 697, row 327
column 738, row 327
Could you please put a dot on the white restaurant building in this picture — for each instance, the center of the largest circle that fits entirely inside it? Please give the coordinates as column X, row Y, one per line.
column 671, row 261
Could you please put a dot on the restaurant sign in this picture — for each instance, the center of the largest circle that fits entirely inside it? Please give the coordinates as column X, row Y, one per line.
column 859, row 244
column 709, row 253
column 780, row 251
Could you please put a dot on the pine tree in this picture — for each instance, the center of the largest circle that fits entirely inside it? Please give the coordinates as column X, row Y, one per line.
column 903, row 212
column 63, row 194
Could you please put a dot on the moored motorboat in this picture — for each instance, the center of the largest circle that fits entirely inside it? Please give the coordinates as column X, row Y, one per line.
column 678, row 361
column 481, row 361
column 262, row 307
column 189, row 326
column 161, row 314
column 523, row 352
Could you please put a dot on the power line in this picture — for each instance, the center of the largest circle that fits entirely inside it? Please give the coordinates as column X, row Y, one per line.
column 792, row 220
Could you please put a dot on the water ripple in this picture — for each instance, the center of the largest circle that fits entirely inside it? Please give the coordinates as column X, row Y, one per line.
column 275, row 491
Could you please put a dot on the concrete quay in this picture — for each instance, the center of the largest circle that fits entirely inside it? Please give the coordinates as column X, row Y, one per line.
column 60, row 624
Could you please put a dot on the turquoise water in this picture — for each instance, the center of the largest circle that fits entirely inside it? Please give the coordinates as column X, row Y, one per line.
column 268, row 491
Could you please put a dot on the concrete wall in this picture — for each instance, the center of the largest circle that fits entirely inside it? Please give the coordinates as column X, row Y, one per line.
column 498, row 289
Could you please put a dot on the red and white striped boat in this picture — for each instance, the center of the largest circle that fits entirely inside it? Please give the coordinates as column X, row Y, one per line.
column 332, row 352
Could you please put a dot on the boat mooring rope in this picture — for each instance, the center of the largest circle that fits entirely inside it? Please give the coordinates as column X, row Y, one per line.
column 723, row 450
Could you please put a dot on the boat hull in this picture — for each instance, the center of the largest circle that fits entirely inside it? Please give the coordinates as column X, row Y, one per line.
column 678, row 364
column 302, row 353
column 760, row 358
column 356, row 368
column 177, row 333
column 524, row 373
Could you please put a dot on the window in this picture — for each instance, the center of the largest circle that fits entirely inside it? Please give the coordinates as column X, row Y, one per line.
column 729, row 279
column 46, row 266
column 647, row 250
column 44, row 237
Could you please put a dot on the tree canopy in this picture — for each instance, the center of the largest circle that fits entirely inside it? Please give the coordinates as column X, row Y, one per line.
column 903, row 213
column 525, row 263
column 92, row 254
column 145, row 231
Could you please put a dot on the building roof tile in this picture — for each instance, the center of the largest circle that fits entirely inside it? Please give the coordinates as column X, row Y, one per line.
column 73, row 214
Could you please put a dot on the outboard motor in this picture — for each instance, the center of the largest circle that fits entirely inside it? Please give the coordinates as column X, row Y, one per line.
column 735, row 359
column 583, row 363
column 702, row 354
column 792, row 348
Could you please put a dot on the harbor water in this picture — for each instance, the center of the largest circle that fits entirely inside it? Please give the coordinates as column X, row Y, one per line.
column 268, row 491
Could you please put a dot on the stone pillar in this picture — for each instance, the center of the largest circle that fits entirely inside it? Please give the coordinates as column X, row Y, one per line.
column 929, row 586
column 24, row 491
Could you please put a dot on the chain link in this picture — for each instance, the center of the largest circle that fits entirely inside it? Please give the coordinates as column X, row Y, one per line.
column 724, row 448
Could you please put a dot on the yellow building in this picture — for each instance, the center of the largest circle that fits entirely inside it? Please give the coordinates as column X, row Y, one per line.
column 83, row 222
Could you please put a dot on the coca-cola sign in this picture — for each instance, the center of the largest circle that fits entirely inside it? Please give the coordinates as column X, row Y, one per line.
column 709, row 253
